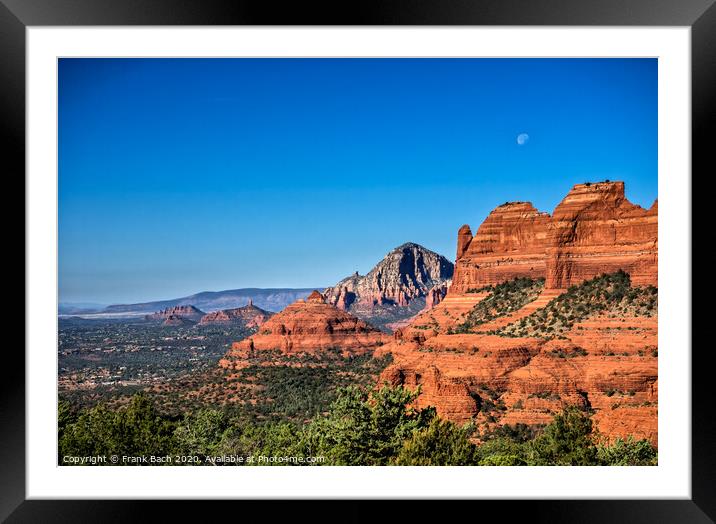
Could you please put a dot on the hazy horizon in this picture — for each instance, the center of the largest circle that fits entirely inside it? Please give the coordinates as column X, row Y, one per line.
column 178, row 176
column 93, row 305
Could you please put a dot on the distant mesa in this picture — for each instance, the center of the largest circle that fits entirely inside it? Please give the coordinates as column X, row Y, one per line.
column 79, row 308
column 175, row 314
column 268, row 299
column 308, row 326
column 248, row 316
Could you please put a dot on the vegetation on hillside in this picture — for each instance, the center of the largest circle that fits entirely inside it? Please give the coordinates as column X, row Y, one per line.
column 608, row 294
column 504, row 298
column 360, row 428
column 274, row 386
column 299, row 387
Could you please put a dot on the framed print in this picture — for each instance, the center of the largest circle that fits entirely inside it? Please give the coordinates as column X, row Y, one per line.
column 408, row 255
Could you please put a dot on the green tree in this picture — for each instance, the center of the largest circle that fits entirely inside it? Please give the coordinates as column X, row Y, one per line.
column 442, row 443
column 503, row 451
column 278, row 439
column 65, row 416
column 134, row 430
column 566, row 441
column 503, row 460
column 201, row 433
column 367, row 429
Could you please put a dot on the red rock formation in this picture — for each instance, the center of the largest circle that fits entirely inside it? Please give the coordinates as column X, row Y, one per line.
column 451, row 398
column 316, row 297
column 187, row 312
column 596, row 230
column 606, row 363
column 451, row 311
column 249, row 316
column 177, row 320
column 534, row 379
column 510, row 243
column 345, row 298
column 435, row 295
column 609, row 364
column 308, row 326
column 464, row 237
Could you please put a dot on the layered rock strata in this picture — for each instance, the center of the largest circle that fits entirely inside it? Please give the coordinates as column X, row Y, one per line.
column 606, row 364
column 594, row 230
column 510, row 243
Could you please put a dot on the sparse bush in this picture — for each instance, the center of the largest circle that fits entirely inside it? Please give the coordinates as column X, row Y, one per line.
column 503, row 299
column 606, row 293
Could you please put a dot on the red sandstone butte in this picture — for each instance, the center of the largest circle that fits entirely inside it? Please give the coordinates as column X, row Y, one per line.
column 176, row 320
column 510, row 243
column 594, row 230
column 308, row 326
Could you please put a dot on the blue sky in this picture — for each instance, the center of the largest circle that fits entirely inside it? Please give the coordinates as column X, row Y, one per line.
column 183, row 175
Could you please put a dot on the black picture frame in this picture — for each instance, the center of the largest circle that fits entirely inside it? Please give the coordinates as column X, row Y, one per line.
column 699, row 15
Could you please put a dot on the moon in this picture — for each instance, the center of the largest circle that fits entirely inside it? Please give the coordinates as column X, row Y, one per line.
column 522, row 139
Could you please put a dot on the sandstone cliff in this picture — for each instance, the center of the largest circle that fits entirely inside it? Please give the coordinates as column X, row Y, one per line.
column 510, row 243
column 594, row 230
column 607, row 363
